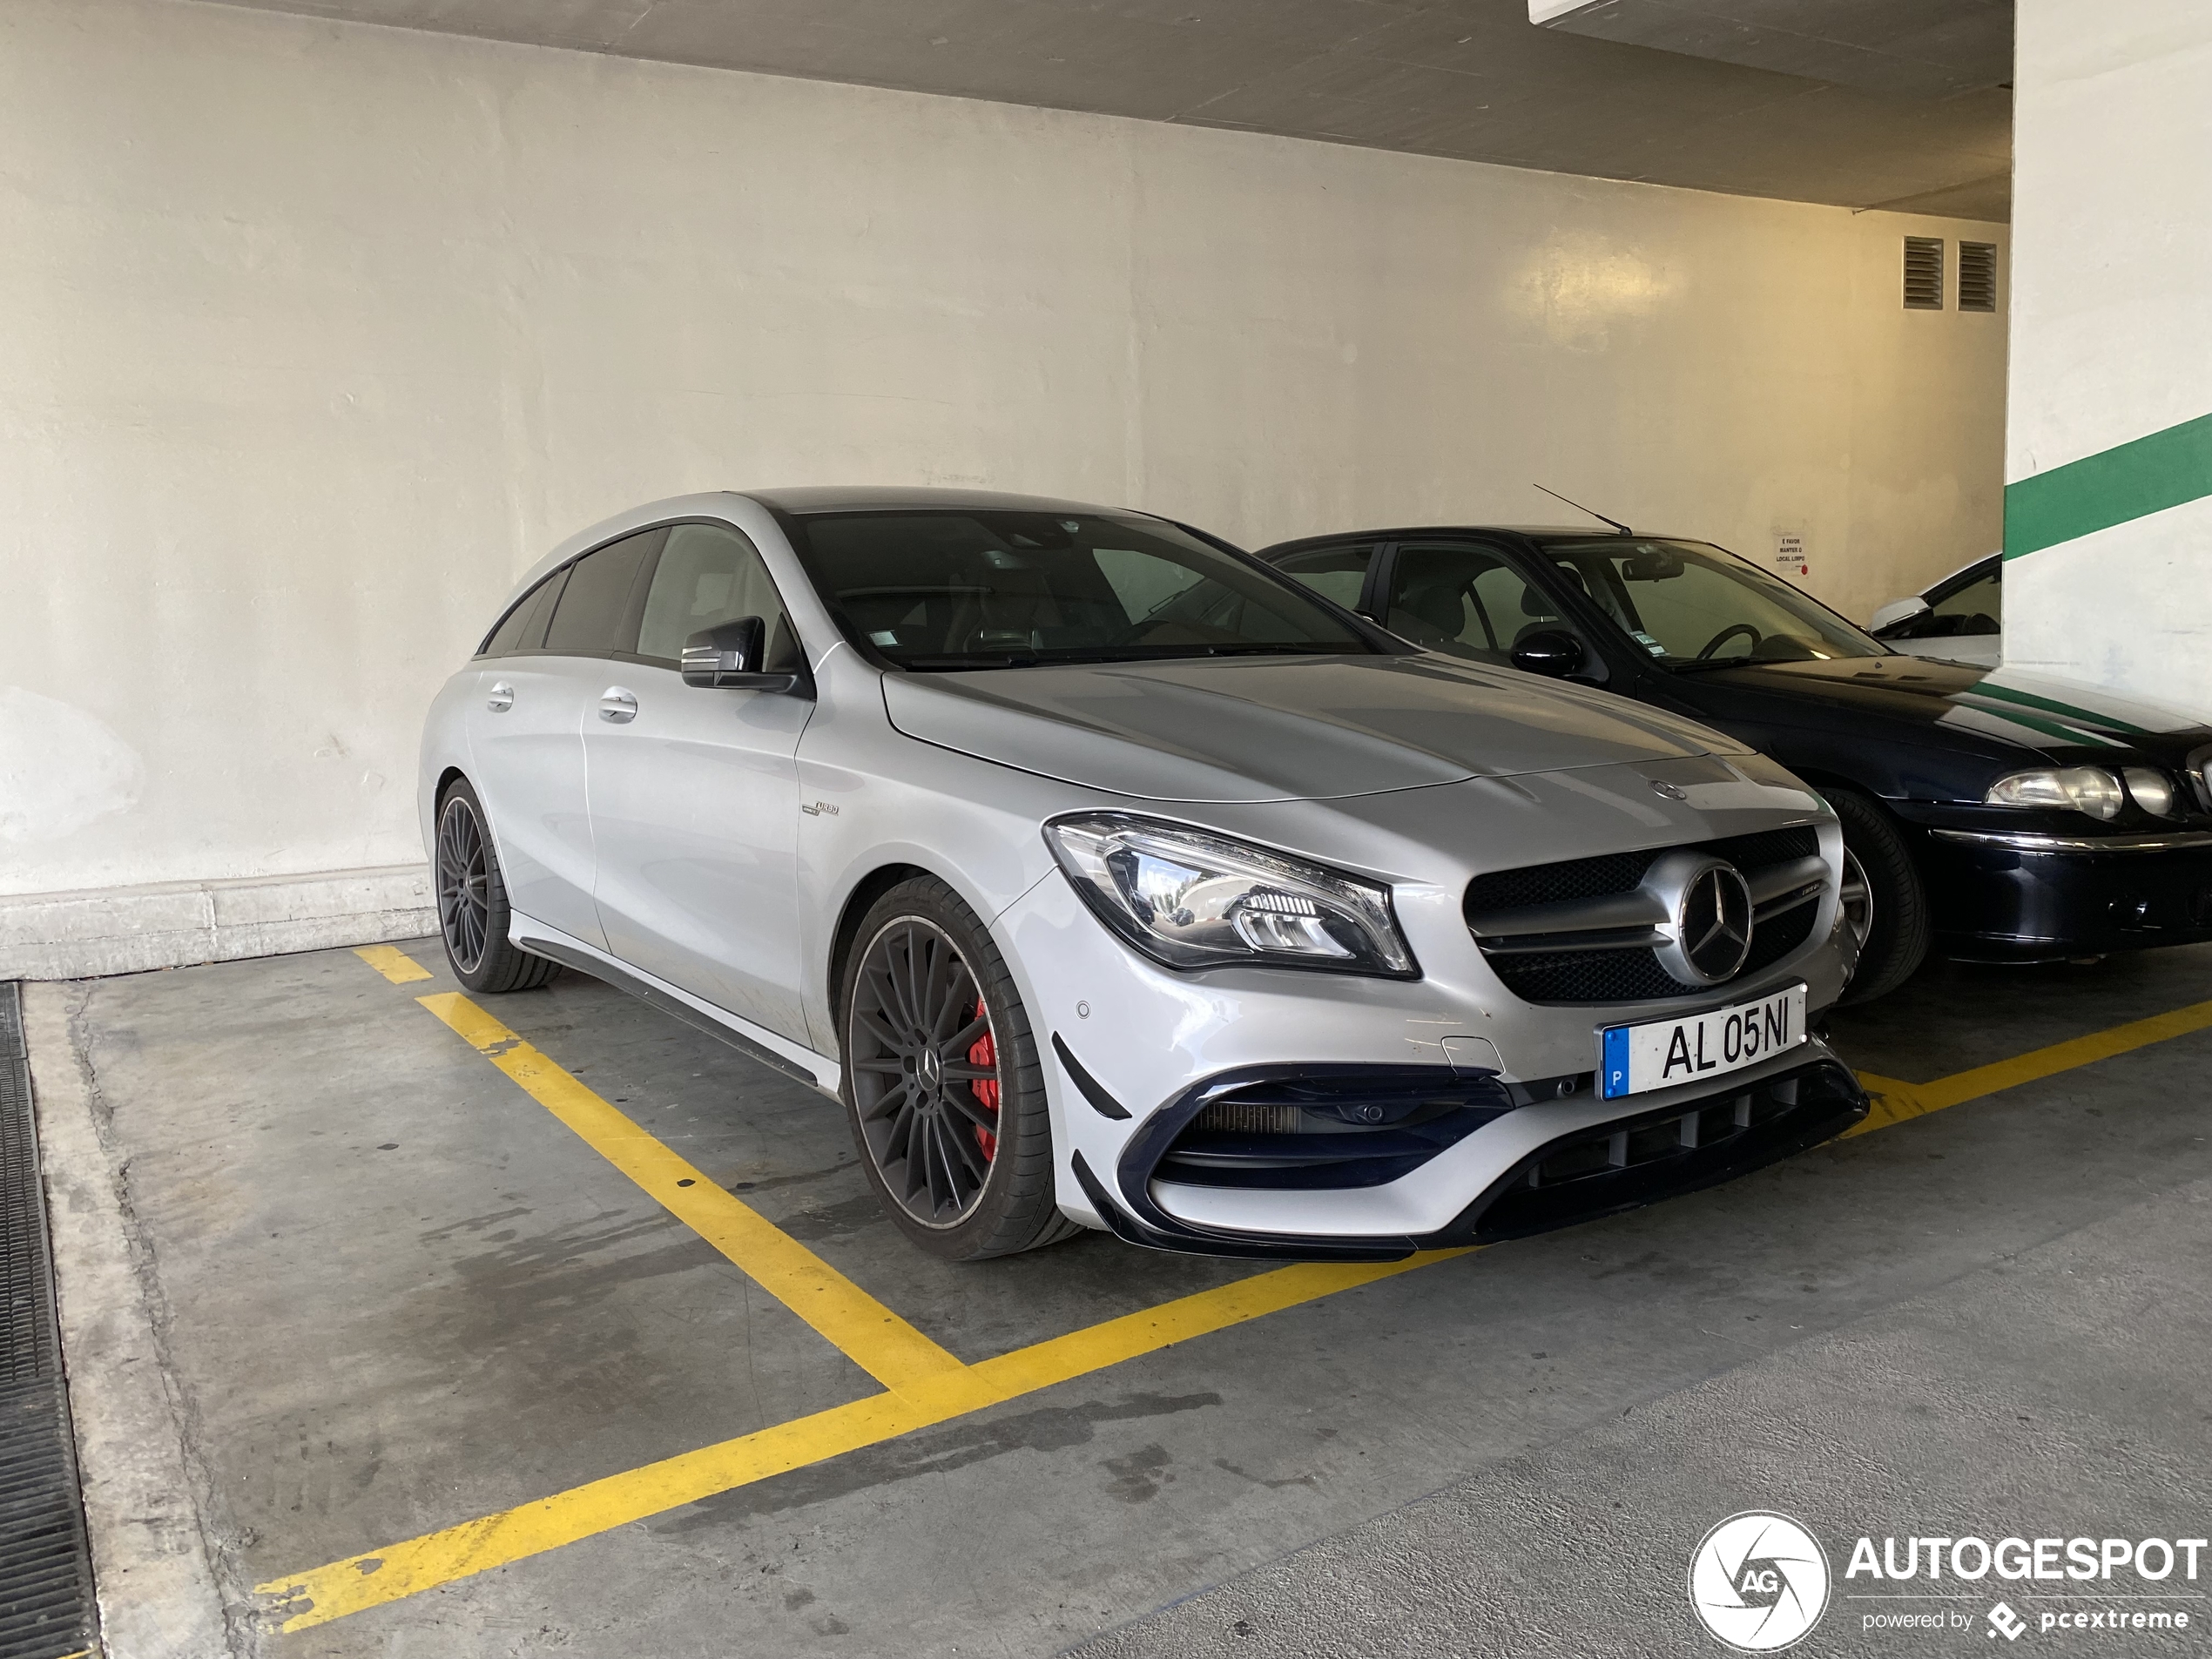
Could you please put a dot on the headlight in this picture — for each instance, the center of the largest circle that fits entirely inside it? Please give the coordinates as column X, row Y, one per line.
column 2081, row 789
column 1191, row 900
column 2154, row 791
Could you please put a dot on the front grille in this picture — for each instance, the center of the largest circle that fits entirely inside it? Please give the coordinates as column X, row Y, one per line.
column 1632, row 973
column 1556, row 883
column 1777, row 938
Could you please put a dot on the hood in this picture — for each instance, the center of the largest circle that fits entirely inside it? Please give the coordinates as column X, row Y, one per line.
column 1255, row 729
column 2006, row 705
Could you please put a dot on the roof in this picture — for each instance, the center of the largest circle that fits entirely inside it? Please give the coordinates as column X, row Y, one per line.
column 1534, row 532
column 877, row 498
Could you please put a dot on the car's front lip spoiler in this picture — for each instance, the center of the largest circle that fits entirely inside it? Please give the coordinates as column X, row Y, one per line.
column 1136, row 1219
column 2025, row 841
column 1200, row 1241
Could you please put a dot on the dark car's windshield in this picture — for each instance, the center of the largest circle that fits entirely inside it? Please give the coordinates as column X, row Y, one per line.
column 1691, row 605
column 998, row 590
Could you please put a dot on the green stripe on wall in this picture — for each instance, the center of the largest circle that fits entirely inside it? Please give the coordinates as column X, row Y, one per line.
column 2131, row 479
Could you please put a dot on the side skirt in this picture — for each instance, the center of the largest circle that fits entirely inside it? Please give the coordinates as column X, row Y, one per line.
column 816, row 1071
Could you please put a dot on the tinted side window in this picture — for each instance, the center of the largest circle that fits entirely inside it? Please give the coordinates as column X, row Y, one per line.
column 523, row 626
column 594, row 615
column 1466, row 601
column 1978, row 608
column 1338, row 573
column 711, row 574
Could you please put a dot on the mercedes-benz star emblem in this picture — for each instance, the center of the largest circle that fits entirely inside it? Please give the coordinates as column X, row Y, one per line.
column 1715, row 923
column 1706, row 935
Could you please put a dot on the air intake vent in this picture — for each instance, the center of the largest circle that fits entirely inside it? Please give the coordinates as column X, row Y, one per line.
column 1977, row 276
column 1924, row 273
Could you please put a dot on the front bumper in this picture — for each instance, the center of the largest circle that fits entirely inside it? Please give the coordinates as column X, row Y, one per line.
column 2010, row 896
column 1455, row 1102
column 1600, row 1168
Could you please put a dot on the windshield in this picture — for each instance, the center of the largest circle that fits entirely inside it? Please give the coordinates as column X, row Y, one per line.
column 940, row 591
column 1694, row 606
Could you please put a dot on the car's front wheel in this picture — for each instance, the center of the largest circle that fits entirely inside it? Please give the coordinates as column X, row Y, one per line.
column 472, row 915
column 1883, row 903
column 943, row 1081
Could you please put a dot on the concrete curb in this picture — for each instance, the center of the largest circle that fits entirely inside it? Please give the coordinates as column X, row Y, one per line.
column 158, row 1596
column 175, row 924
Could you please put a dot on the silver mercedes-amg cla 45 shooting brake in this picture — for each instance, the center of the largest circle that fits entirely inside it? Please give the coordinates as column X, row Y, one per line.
column 1111, row 879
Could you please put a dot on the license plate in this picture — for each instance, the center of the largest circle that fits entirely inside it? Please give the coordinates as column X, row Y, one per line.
column 1634, row 1058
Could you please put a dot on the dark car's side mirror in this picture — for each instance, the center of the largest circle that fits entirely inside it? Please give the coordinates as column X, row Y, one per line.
column 727, row 657
column 1549, row 650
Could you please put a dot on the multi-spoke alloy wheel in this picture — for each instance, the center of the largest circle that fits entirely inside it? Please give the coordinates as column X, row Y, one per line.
column 464, row 884
column 472, row 901
column 925, row 1071
column 943, row 1081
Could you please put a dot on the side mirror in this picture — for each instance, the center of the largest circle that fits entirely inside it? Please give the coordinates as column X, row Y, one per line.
column 1549, row 651
column 1897, row 611
column 727, row 657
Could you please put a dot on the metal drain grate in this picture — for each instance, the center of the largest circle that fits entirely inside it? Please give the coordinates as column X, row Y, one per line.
column 46, row 1567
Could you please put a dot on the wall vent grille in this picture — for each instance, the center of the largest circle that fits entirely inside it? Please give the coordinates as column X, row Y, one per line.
column 1977, row 276
column 1924, row 273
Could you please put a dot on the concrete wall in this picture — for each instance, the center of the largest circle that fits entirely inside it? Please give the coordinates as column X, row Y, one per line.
column 2112, row 346
column 315, row 336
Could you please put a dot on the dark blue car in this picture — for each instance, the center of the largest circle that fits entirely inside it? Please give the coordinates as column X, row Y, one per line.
column 1990, row 814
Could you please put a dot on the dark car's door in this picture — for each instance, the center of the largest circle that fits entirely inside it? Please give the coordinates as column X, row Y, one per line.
column 1481, row 600
column 1341, row 571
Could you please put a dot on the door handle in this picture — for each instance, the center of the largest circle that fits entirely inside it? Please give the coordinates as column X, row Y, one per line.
column 618, row 705
column 501, row 697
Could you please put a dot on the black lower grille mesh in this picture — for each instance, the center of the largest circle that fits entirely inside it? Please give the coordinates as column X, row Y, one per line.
column 1632, row 975
column 45, row 1568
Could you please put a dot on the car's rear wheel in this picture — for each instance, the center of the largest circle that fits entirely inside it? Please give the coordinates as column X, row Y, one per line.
column 943, row 1081
column 1883, row 903
column 472, row 913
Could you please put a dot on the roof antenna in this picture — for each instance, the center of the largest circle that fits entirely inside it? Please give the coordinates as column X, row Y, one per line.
column 1579, row 508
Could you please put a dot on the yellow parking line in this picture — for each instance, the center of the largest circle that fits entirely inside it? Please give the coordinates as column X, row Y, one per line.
column 1895, row 1102
column 874, row 1337
column 392, row 963
column 932, row 1387
column 403, row 1569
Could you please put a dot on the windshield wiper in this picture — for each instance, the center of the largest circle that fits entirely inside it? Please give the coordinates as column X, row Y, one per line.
column 996, row 659
column 1110, row 654
column 1279, row 648
column 1705, row 665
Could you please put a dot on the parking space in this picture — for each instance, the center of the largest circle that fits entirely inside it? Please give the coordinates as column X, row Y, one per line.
column 543, row 1323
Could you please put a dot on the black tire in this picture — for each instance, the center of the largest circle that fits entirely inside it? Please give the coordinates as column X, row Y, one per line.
column 472, row 913
column 1894, row 941
column 932, row 1027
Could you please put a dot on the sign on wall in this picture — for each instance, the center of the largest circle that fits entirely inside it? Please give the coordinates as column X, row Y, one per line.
column 1790, row 558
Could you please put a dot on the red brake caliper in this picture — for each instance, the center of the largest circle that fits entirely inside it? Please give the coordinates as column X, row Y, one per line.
column 985, row 1052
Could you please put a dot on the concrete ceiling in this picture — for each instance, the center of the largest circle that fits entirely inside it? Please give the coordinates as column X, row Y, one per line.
column 1908, row 46
column 1472, row 80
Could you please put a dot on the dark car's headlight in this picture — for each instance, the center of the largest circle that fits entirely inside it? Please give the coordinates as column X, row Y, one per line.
column 2153, row 790
column 2082, row 789
column 1193, row 900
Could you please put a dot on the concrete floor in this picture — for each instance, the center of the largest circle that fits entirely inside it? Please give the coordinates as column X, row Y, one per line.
column 391, row 1293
